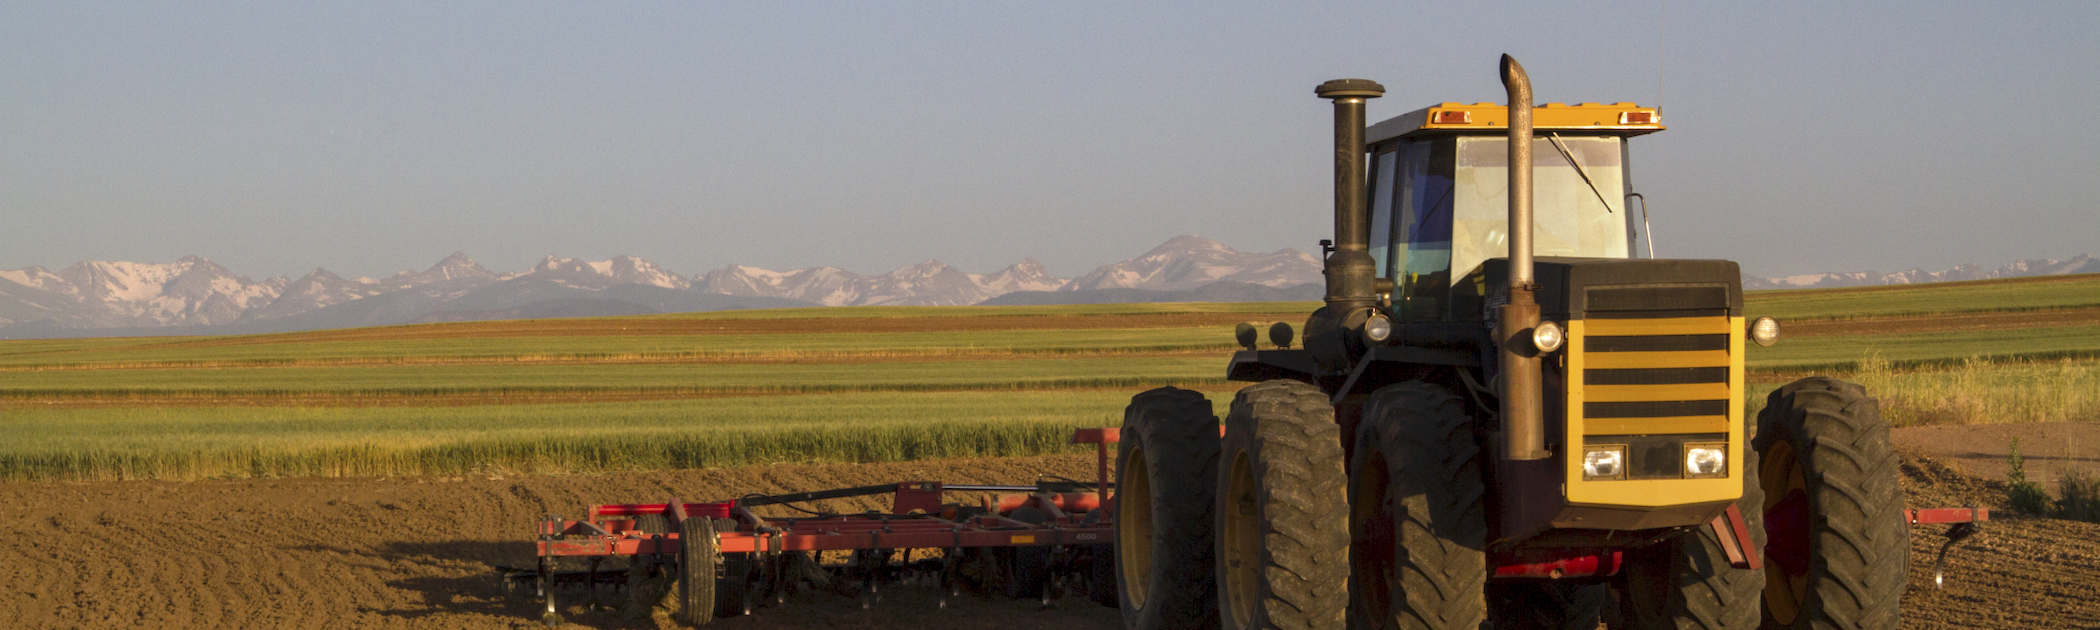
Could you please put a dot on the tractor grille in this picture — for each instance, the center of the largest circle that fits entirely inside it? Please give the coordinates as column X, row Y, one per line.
column 1656, row 361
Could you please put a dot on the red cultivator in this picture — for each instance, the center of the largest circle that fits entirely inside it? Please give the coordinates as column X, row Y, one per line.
column 1027, row 541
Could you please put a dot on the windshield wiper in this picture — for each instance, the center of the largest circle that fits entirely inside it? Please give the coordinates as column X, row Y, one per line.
column 1578, row 169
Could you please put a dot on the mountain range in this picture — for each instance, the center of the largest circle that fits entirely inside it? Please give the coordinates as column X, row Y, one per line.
column 2082, row 263
column 196, row 296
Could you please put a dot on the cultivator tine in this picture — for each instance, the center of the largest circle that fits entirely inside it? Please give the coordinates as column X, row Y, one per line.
column 591, row 585
column 1955, row 534
column 872, row 563
column 950, row 566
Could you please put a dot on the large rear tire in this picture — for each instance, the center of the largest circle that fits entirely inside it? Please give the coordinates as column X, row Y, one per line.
column 1833, row 500
column 1282, row 511
column 1166, row 469
column 1417, row 521
column 1687, row 582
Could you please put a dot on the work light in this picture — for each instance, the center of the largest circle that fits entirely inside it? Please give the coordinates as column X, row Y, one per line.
column 1764, row 331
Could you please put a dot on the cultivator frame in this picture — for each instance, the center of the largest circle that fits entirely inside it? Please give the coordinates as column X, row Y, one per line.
column 1041, row 537
column 1069, row 528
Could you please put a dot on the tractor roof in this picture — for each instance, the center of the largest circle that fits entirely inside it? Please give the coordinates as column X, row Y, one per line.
column 1623, row 119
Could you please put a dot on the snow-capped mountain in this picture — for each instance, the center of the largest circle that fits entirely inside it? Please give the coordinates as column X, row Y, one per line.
column 1186, row 262
column 2082, row 263
column 931, row 283
column 321, row 288
column 196, row 296
column 190, row 291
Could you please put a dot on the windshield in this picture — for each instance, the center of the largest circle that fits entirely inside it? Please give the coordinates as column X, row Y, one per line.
column 1440, row 206
column 1568, row 218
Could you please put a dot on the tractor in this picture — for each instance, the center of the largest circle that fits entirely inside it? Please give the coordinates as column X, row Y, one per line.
column 1502, row 415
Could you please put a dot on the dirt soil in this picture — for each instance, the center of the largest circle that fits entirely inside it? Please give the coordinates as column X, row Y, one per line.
column 2050, row 448
column 423, row 552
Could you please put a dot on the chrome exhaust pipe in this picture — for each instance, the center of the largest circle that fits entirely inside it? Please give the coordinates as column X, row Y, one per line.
column 1523, row 413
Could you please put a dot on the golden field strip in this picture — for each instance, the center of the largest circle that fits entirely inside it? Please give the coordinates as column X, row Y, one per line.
column 858, row 384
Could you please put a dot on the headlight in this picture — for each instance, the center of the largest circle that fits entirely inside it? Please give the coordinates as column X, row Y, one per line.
column 1547, row 337
column 1764, row 331
column 1706, row 460
column 1604, row 462
column 1377, row 329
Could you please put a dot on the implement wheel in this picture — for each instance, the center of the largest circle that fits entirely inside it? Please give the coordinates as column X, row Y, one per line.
column 1833, row 505
column 648, row 581
column 1417, row 522
column 1687, row 582
column 1028, row 568
column 1101, row 577
column 1166, row 470
column 1282, row 511
column 736, row 592
column 697, row 560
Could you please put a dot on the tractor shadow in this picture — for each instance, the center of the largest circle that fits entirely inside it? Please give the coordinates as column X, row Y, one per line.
column 469, row 581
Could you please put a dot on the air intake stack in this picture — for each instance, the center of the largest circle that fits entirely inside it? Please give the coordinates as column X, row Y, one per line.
column 1352, row 275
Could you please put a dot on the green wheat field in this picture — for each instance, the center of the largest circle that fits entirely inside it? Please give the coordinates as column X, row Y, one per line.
column 862, row 384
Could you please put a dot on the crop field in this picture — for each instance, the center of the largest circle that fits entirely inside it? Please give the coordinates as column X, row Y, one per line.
column 860, row 384
column 602, row 394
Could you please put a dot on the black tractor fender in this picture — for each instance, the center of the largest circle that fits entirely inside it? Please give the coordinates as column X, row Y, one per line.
column 1389, row 364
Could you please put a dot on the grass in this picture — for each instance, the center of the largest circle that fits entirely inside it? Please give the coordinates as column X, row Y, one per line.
column 843, row 384
column 1980, row 391
column 2023, row 495
column 2081, row 496
column 634, row 348
column 703, row 379
column 1981, row 296
column 1927, row 350
column 210, row 442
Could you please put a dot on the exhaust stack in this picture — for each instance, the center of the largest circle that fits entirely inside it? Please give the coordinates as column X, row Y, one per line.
column 1351, row 273
column 1523, row 416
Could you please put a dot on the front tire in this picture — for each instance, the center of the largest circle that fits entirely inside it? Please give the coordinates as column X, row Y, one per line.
column 1833, row 498
column 1166, row 468
column 1417, row 522
column 1283, row 515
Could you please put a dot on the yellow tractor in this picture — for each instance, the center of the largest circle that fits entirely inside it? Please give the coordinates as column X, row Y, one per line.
column 1503, row 415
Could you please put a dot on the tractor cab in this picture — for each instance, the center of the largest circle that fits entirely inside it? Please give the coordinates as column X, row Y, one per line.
column 1439, row 193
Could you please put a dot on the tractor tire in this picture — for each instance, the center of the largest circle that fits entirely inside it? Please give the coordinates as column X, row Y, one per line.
column 1166, row 472
column 1282, row 512
column 1833, row 502
column 1686, row 582
column 1547, row 606
column 1417, row 521
column 697, row 561
column 1028, row 567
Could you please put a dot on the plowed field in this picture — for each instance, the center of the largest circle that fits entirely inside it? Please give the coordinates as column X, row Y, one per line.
column 422, row 552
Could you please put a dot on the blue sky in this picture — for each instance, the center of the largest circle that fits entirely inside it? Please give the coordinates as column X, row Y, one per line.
column 373, row 137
